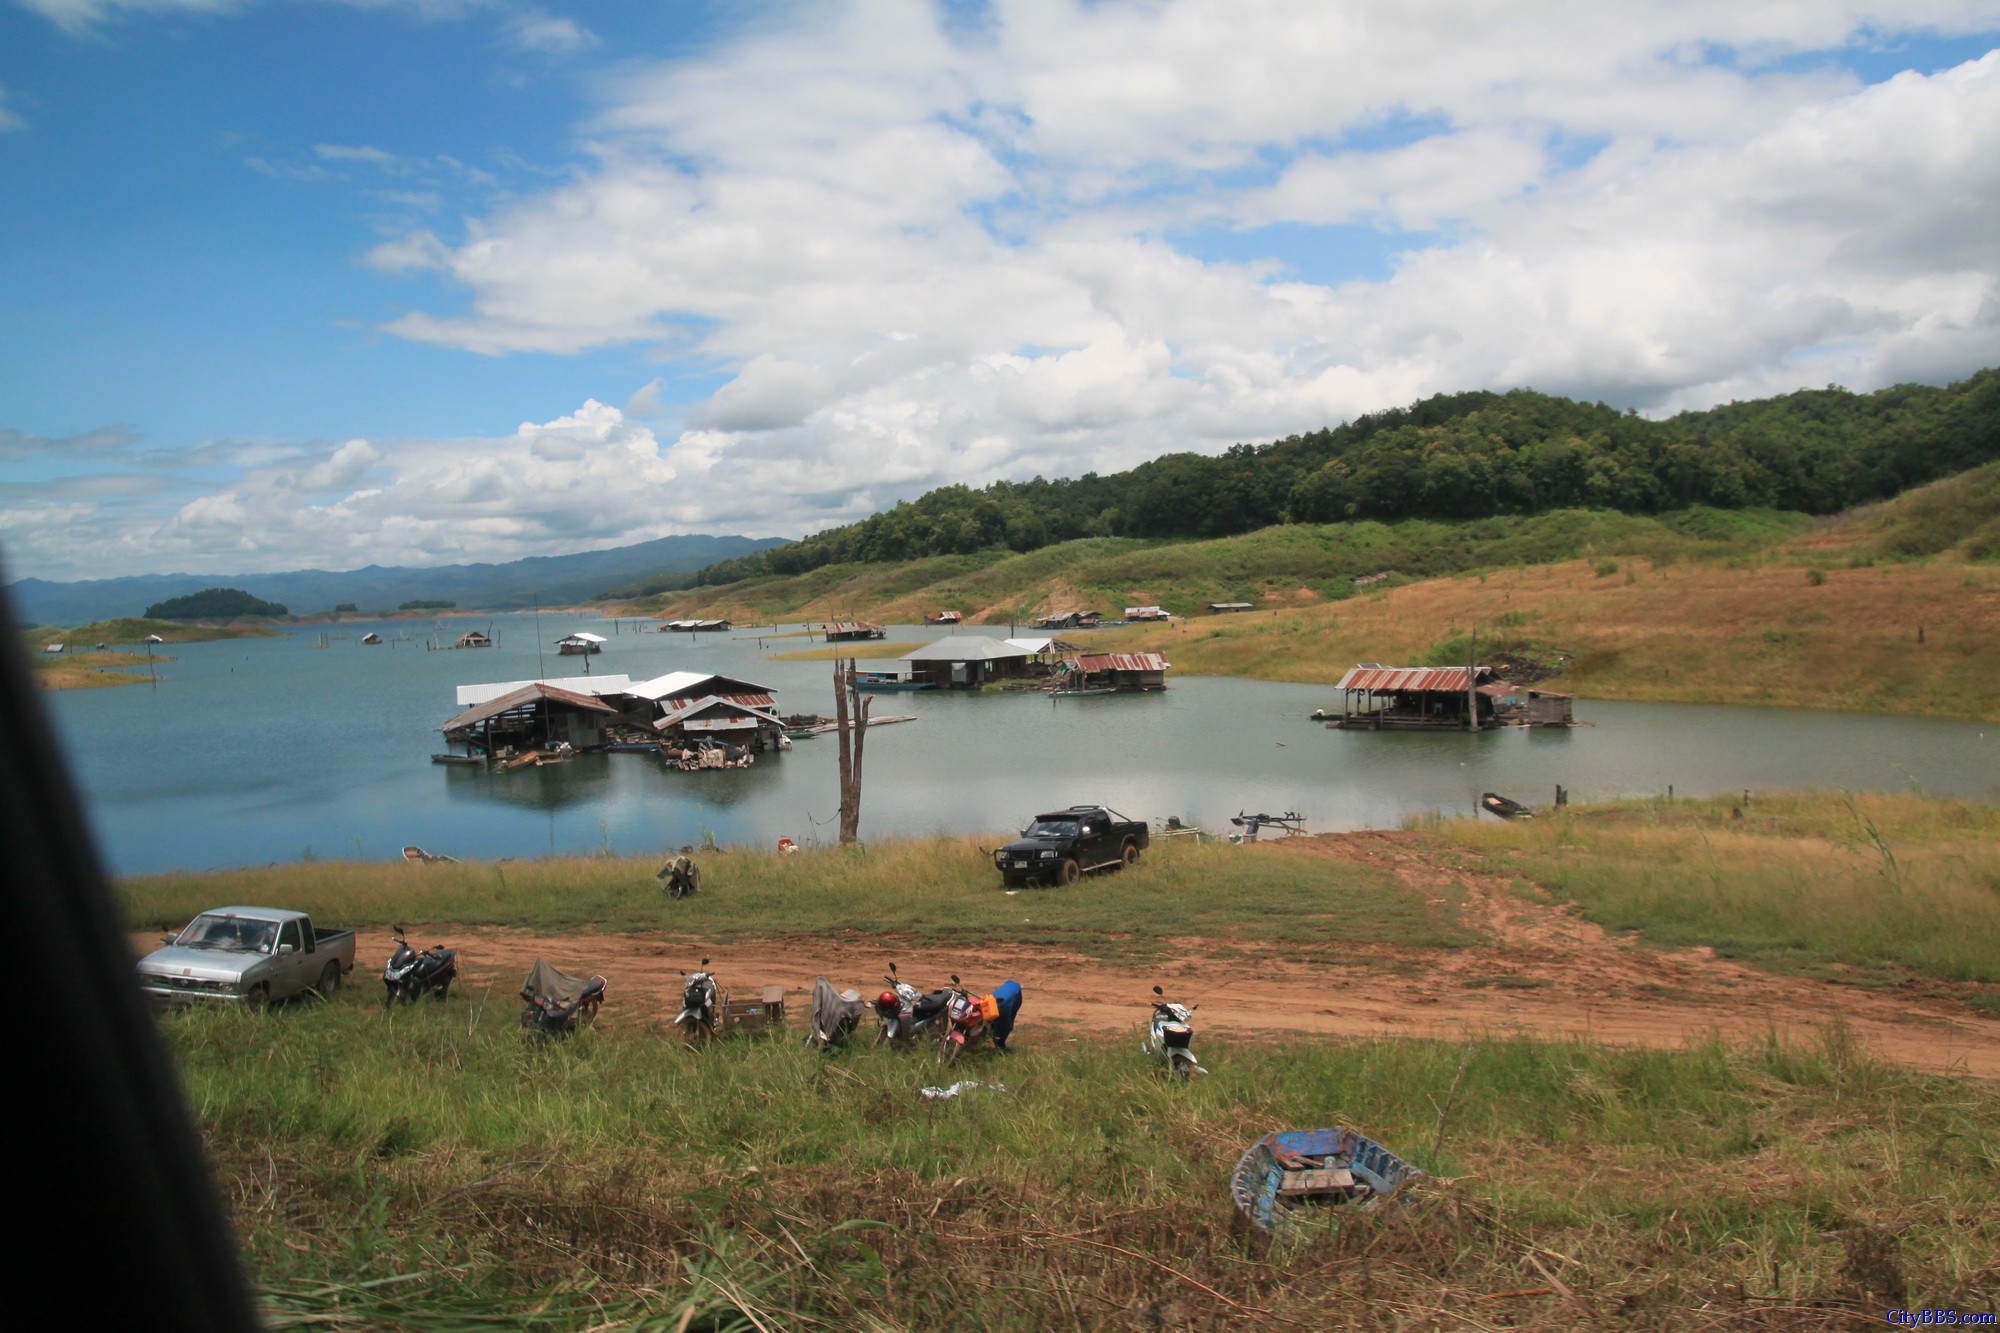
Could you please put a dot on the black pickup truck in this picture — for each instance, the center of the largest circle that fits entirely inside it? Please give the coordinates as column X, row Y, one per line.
column 1059, row 846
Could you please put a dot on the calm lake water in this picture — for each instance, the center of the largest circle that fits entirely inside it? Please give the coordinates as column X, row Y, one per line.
column 263, row 750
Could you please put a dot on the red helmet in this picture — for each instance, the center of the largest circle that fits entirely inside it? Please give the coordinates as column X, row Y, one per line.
column 887, row 1001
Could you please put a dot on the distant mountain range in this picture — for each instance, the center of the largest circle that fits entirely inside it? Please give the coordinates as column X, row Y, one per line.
column 550, row 580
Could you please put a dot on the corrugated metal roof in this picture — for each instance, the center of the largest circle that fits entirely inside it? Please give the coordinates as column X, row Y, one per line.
column 1121, row 662
column 527, row 694
column 747, row 700
column 965, row 648
column 684, row 684
column 468, row 695
column 702, row 705
column 582, row 637
column 848, row 626
column 1410, row 679
column 1033, row 645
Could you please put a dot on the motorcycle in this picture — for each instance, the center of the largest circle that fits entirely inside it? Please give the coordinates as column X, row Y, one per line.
column 557, row 1003
column 411, row 973
column 967, row 1015
column 904, row 1012
column 700, row 1005
column 1170, row 1038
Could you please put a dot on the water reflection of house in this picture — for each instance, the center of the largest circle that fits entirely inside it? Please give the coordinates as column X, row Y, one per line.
column 1422, row 698
column 965, row 661
column 536, row 716
column 1116, row 672
column 844, row 631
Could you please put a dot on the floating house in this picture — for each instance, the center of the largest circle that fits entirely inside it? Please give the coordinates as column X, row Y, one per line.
column 371, row 638
column 1112, row 673
column 473, row 639
column 153, row 638
column 1550, row 708
column 695, row 626
column 1421, row 698
column 1071, row 620
column 580, row 644
column 965, row 661
column 713, row 718
column 55, row 648
column 1230, row 608
column 846, row 631
column 943, row 618
column 1146, row 613
column 531, row 719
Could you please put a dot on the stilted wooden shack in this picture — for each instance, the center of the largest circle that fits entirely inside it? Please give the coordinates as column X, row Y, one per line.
column 1421, row 698
column 532, row 719
column 1109, row 673
column 848, row 631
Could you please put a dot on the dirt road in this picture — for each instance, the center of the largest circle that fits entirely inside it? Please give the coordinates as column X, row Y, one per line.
column 1542, row 971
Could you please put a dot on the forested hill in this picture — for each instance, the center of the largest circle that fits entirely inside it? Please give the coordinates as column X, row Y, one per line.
column 1465, row 455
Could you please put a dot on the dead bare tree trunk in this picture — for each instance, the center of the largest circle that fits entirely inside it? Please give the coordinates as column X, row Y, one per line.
column 850, row 707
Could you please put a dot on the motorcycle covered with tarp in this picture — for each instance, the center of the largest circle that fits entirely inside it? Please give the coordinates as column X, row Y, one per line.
column 556, row 1002
column 835, row 1014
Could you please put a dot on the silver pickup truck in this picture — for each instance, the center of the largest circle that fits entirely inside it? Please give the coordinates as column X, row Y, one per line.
column 247, row 955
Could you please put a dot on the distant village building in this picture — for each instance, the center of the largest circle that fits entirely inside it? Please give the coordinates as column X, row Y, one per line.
column 1550, row 708
column 56, row 648
column 1071, row 620
column 1146, row 613
column 580, row 644
column 695, row 626
column 964, row 661
column 371, row 638
column 473, row 639
column 1230, row 608
column 943, row 618
column 846, row 631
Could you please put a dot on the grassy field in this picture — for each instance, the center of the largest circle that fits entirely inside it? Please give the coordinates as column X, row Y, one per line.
column 434, row 1169
column 930, row 891
column 1275, row 566
column 89, row 670
column 1796, row 882
column 1708, row 632
column 134, row 629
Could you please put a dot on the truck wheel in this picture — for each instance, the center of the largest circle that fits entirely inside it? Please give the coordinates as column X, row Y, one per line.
column 1130, row 856
column 259, row 998
column 1069, row 872
column 329, row 981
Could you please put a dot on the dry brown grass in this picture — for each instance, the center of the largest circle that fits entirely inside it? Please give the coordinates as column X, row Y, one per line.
column 1711, row 633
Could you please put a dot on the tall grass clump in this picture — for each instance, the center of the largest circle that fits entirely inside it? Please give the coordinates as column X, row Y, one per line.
column 1870, row 879
column 432, row 1167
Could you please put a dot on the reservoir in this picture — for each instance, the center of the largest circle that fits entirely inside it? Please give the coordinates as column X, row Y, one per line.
column 262, row 750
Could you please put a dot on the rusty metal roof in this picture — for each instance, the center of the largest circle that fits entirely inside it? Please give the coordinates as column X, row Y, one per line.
column 1121, row 662
column 1410, row 680
column 522, row 698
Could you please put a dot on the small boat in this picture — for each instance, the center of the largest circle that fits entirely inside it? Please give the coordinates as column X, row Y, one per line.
column 882, row 680
column 1303, row 1168
column 1086, row 689
column 462, row 760
column 419, row 854
column 1505, row 808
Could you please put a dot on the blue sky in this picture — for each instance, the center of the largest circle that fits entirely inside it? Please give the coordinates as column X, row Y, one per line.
column 298, row 282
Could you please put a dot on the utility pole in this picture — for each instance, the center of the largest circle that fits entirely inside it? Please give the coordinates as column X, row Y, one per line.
column 1472, row 680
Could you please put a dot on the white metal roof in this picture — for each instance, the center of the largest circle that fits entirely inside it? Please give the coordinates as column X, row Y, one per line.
column 586, row 638
column 682, row 685
column 1041, row 645
column 965, row 648
column 471, row 695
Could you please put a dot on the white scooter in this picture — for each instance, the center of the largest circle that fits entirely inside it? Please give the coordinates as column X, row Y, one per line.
column 1170, row 1038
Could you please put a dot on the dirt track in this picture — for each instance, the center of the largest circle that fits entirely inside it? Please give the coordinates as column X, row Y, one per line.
column 1542, row 971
